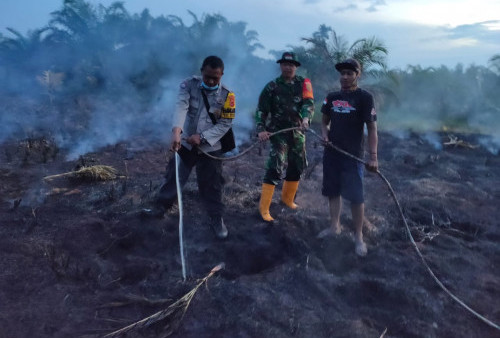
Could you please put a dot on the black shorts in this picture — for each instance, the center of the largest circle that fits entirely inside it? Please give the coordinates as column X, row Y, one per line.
column 342, row 176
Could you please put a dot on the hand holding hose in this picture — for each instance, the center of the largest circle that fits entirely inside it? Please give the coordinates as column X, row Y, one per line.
column 194, row 140
column 176, row 139
column 304, row 124
column 264, row 136
column 372, row 163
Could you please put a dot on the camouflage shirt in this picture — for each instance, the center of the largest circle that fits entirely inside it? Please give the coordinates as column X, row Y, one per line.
column 284, row 105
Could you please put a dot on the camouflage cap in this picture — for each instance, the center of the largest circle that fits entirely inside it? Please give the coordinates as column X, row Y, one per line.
column 289, row 57
column 351, row 64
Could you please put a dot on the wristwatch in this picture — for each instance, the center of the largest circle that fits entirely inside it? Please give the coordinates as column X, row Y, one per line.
column 203, row 140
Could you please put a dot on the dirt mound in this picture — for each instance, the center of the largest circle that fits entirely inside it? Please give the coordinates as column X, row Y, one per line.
column 78, row 260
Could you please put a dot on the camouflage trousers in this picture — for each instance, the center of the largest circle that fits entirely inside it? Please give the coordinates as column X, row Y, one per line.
column 287, row 149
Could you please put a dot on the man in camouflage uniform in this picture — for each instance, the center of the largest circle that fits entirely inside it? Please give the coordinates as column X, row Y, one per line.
column 284, row 102
column 200, row 131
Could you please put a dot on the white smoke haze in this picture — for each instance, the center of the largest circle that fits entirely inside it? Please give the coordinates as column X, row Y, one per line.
column 431, row 129
column 433, row 139
column 109, row 95
column 444, row 100
column 113, row 122
column 116, row 79
column 491, row 143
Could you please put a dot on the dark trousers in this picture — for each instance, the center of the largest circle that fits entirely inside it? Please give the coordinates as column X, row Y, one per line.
column 209, row 178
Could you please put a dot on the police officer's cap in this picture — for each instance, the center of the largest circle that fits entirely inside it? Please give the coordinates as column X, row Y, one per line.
column 289, row 57
column 351, row 64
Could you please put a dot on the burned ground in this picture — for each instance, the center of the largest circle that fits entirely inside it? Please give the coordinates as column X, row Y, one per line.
column 79, row 261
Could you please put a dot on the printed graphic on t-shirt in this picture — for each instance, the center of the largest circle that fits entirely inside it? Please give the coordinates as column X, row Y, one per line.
column 342, row 107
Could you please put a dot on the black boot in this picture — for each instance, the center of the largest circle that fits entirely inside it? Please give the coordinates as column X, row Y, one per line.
column 218, row 227
column 156, row 211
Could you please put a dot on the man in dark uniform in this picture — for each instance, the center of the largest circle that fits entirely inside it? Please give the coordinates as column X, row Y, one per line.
column 345, row 114
column 201, row 131
column 284, row 102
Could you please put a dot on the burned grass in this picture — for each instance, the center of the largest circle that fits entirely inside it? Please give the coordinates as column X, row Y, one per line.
column 71, row 248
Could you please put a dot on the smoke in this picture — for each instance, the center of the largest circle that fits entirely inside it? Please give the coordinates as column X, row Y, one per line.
column 433, row 139
column 491, row 143
column 115, row 78
column 106, row 86
column 434, row 100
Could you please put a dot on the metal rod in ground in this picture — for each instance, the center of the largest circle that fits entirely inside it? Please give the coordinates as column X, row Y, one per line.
column 181, row 222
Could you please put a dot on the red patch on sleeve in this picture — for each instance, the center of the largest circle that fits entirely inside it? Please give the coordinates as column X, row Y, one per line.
column 307, row 90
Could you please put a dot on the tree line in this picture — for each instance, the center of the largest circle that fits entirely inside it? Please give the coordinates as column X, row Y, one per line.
column 109, row 52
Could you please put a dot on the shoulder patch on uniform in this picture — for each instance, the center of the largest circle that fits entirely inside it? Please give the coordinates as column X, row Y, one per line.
column 374, row 112
column 229, row 108
column 307, row 90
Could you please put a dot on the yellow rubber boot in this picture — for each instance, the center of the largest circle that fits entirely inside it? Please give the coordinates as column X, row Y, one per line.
column 265, row 201
column 288, row 193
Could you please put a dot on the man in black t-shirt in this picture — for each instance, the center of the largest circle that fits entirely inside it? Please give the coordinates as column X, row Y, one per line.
column 345, row 114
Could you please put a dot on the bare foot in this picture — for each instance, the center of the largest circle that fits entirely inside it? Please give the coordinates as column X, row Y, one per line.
column 330, row 231
column 337, row 229
column 360, row 248
column 369, row 226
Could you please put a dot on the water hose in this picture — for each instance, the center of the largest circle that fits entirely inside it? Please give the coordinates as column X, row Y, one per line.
column 393, row 194
column 181, row 222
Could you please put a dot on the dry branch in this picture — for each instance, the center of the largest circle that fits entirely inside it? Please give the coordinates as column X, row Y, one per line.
column 173, row 314
column 135, row 299
column 456, row 142
column 92, row 173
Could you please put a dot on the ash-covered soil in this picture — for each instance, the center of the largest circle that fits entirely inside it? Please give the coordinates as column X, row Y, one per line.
column 77, row 260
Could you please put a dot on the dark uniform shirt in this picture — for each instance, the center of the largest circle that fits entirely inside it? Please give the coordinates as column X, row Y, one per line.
column 349, row 111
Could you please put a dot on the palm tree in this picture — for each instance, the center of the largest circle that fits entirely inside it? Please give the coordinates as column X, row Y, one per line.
column 495, row 63
column 326, row 48
column 20, row 43
column 17, row 52
column 74, row 20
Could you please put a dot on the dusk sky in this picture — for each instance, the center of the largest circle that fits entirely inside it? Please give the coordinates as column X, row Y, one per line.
column 416, row 32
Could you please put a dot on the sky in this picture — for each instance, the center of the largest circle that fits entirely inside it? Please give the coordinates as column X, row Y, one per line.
column 416, row 32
